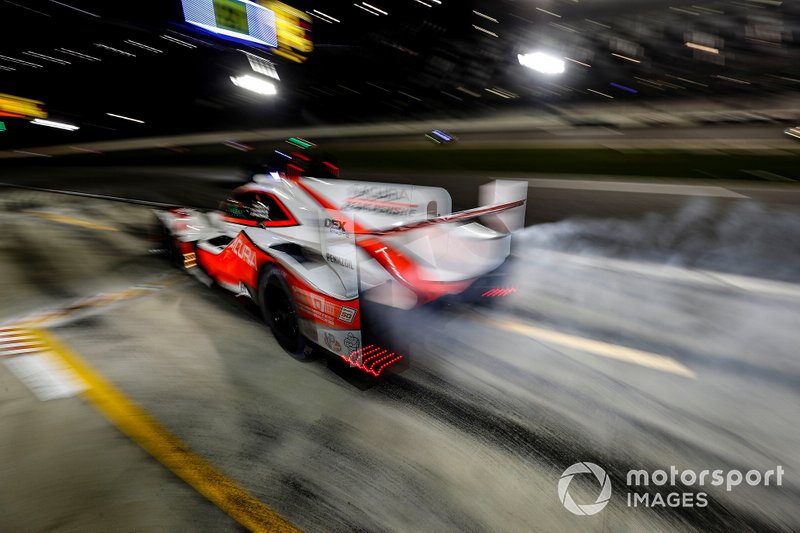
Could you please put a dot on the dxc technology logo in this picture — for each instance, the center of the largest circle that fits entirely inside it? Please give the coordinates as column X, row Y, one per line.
column 602, row 479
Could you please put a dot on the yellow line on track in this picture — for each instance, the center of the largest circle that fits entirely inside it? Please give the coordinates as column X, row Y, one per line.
column 168, row 449
column 72, row 221
column 600, row 348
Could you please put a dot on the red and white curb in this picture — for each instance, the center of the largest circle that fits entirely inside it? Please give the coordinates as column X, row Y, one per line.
column 30, row 359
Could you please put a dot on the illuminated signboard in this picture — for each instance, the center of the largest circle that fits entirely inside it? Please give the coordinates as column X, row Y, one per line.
column 17, row 107
column 240, row 19
column 294, row 31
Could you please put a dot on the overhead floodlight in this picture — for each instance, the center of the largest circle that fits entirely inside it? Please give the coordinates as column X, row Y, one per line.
column 252, row 83
column 54, row 124
column 541, row 62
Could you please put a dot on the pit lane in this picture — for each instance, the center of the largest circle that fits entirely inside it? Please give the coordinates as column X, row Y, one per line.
column 473, row 436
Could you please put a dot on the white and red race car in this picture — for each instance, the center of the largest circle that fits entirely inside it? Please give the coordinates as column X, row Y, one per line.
column 313, row 254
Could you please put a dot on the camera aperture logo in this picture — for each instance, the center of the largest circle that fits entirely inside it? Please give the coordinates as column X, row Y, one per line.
column 679, row 486
column 602, row 498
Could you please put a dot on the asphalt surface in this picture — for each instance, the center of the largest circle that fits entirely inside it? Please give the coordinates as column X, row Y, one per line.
column 653, row 325
column 549, row 199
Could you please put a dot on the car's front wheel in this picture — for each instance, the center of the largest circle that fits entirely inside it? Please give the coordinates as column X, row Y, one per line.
column 171, row 249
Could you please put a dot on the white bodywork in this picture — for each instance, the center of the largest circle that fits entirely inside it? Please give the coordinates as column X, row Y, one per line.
column 344, row 241
column 446, row 252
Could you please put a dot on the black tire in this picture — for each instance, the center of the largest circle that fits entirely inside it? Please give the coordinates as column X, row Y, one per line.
column 280, row 311
column 174, row 256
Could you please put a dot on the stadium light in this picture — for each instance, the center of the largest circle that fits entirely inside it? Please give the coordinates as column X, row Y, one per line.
column 252, row 83
column 541, row 62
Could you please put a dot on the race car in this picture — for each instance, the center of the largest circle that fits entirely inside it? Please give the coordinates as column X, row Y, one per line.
column 314, row 254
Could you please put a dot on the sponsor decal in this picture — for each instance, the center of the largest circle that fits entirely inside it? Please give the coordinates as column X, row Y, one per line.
column 315, row 305
column 336, row 226
column 380, row 192
column 381, row 200
column 382, row 208
column 322, row 310
column 322, row 305
column 330, row 341
column 244, row 252
column 341, row 261
column 351, row 342
column 347, row 314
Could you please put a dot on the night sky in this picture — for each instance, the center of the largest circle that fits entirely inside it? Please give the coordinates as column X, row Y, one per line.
column 420, row 59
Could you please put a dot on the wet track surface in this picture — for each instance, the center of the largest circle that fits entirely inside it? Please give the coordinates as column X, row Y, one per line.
column 665, row 336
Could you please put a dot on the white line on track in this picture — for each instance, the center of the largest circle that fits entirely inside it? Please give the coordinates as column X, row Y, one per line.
column 594, row 347
column 45, row 376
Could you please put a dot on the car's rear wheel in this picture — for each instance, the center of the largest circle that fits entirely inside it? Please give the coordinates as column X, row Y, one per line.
column 280, row 312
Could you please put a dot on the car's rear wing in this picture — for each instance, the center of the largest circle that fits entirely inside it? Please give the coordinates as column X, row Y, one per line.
column 445, row 219
column 343, row 236
column 504, row 210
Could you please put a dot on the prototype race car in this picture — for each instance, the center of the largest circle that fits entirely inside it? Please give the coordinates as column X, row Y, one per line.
column 313, row 254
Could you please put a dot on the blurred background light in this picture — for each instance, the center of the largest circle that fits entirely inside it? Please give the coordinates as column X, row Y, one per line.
column 55, row 124
column 123, row 117
column 252, row 83
column 541, row 62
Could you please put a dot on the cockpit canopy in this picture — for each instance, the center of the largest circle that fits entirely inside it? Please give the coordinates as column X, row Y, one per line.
column 256, row 208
